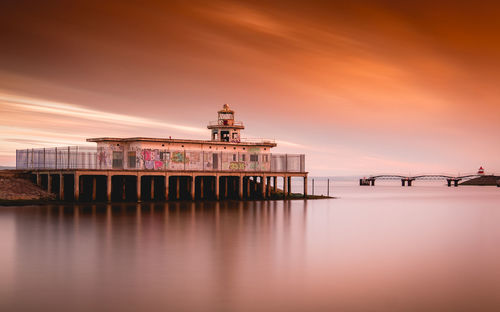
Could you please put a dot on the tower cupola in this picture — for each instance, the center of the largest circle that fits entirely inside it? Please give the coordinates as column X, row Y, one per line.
column 226, row 129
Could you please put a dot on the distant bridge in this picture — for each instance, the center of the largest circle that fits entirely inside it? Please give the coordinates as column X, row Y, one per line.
column 407, row 180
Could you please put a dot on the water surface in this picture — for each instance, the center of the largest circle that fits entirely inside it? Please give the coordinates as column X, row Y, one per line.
column 383, row 248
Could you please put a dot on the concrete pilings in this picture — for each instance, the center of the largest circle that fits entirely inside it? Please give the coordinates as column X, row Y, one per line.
column 103, row 185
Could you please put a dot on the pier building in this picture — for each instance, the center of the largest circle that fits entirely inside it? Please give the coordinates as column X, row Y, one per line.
column 226, row 166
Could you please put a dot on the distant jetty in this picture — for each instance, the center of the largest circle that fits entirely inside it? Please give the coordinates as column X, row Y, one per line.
column 491, row 180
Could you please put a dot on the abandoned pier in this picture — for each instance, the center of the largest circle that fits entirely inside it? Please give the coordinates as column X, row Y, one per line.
column 134, row 169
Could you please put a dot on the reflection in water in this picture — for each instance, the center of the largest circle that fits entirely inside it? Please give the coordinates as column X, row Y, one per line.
column 436, row 251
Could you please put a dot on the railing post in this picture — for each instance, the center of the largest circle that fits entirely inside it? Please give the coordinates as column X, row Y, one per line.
column 69, row 155
column 56, row 156
column 286, row 162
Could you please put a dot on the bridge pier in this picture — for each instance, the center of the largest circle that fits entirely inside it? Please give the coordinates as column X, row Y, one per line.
column 456, row 182
column 403, row 182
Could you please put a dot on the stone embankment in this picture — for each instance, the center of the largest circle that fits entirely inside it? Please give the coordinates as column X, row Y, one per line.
column 485, row 180
column 16, row 186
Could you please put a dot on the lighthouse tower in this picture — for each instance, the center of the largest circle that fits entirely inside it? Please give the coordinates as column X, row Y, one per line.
column 481, row 170
column 225, row 129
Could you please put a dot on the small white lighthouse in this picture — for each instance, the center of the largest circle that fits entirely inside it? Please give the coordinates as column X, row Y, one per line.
column 225, row 129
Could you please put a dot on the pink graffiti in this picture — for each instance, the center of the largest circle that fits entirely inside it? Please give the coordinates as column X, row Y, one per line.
column 158, row 164
column 146, row 154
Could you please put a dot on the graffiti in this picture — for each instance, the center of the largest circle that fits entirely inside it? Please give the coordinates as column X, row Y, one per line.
column 178, row 157
column 194, row 158
column 152, row 159
column 254, row 166
column 236, row 165
column 101, row 156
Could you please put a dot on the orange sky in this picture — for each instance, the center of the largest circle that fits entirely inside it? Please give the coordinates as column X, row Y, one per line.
column 359, row 86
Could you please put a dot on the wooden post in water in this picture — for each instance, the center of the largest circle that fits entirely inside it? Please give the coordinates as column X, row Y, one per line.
column 313, row 187
column 328, row 188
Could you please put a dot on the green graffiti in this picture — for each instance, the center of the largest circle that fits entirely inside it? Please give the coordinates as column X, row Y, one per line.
column 236, row 165
column 177, row 157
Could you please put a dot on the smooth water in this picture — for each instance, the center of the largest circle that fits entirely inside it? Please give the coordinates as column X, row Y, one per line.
column 383, row 248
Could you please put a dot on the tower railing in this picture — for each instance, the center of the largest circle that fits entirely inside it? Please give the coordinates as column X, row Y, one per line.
column 220, row 122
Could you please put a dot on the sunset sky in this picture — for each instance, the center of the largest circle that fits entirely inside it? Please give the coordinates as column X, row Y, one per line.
column 360, row 87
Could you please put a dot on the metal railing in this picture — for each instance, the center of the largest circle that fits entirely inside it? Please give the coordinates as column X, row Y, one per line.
column 257, row 140
column 225, row 122
column 84, row 157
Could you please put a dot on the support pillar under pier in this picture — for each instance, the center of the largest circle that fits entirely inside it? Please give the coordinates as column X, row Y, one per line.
column 305, row 186
column 138, row 185
column 217, row 187
column 61, row 186
column 456, row 182
column 248, row 187
column 240, row 188
column 166, row 187
column 449, row 182
column 193, row 187
column 403, row 182
column 289, row 191
column 202, row 187
column 225, row 186
column 108, row 188
column 152, row 188
column 263, row 186
column 285, row 186
column 178, row 188
column 76, row 186
column 49, row 183
column 94, row 188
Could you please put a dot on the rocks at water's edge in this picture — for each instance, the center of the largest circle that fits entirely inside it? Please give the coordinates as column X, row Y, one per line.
column 16, row 188
column 484, row 180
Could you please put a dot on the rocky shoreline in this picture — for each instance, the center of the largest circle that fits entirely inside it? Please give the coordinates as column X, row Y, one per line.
column 15, row 187
column 489, row 180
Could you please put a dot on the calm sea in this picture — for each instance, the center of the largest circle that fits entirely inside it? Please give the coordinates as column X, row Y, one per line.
column 384, row 248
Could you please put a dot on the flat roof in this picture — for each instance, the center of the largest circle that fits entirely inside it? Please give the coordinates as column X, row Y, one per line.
column 187, row 141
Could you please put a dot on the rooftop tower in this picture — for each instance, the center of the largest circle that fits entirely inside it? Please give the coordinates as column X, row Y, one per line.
column 226, row 129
